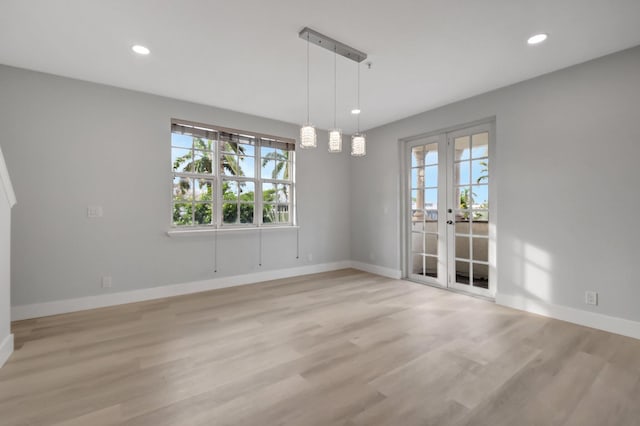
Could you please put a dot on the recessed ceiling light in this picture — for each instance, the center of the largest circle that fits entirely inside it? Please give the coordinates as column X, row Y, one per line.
column 355, row 111
column 140, row 50
column 538, row 38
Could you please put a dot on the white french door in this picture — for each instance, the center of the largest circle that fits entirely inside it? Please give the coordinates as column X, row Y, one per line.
column 427, row 251
column 449, row 243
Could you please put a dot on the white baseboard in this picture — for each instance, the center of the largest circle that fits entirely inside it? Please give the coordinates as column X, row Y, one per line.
column 589, row 319
column 378, row 270
column 36, row 310
column 6, row 349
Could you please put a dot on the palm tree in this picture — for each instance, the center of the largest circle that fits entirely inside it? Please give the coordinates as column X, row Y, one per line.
column 229, row 162
column 204, row 165
column 282, row 162
column 281, row 158
column 484, row 171
column 282, row 165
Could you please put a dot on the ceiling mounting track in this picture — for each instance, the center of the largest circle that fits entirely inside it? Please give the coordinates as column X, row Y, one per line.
column 332, row 45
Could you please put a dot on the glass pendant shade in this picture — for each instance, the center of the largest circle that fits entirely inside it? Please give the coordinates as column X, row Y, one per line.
column 335, row 140
column 358, row 145
column 308, row 136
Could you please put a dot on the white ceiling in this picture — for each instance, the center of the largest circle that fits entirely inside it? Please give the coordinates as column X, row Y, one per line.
column 245, row 55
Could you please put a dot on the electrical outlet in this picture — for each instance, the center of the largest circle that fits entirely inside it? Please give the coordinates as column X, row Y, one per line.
column 94, row 211
column 310, row 257
column 106, row 282
column 591, row 297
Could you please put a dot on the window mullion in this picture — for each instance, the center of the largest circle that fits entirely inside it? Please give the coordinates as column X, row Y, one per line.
column 218, row 196
column 258, row 184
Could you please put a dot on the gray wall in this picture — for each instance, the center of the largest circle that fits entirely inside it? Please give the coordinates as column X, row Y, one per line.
column 5, row 255
column 567, row 149
column 70, row 144
column 568, row 146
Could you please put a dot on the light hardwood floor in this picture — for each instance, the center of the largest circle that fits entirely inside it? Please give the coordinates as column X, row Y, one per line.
column 339, row 348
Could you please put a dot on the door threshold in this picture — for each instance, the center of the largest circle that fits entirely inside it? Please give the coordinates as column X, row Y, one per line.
column 454, row 290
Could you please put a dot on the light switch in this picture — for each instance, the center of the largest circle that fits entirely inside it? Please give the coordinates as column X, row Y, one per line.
column 94, row 211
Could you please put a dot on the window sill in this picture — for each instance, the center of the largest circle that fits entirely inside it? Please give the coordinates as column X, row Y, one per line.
column 209, row 231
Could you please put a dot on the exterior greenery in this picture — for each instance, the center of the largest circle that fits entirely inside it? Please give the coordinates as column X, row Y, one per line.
column 194, row 186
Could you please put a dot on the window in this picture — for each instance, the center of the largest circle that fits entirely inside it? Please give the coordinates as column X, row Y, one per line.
column 230, row 178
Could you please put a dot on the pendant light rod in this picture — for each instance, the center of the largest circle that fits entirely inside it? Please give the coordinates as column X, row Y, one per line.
column 307, row 78
column 358, row 118
column 308, row 135
column 332, row 45
column 335, row 87
column 335, row 135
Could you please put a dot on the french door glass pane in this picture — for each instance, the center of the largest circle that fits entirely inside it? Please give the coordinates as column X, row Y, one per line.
column 417, row 264
column 479, row 171
column 480, row 194
column 431, row 176
column 480, row 248
column 480, row 145
column 462, row 149
column 431, row 266
column 463, row 226
column 417, row 156
column 480, row 275
column 462, row 272
column 430, row 198
column 431, row 154
column 417, row 220
column 463, row 197
column 431, row 244
column 417, row 239
column 462, row 247
column 416, row 195
column 416, row 173
column 461, row 173
column 480, row 223
column 424, row 265
column 431, row 225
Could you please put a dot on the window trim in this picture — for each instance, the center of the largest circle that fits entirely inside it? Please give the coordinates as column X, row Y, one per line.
column 208, row 131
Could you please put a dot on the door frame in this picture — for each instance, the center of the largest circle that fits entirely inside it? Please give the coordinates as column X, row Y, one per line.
column 405, row 195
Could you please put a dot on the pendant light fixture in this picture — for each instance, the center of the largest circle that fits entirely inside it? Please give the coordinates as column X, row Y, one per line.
column 358, row 141
column 335, row 135
column 308, row 132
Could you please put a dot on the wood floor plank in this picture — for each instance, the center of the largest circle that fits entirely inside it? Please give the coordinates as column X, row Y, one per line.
column 339, row 348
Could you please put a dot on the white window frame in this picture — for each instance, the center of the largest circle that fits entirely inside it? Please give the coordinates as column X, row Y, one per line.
column 218, row 178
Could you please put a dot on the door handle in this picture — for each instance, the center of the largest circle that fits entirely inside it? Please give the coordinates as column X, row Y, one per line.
column 449, row 222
